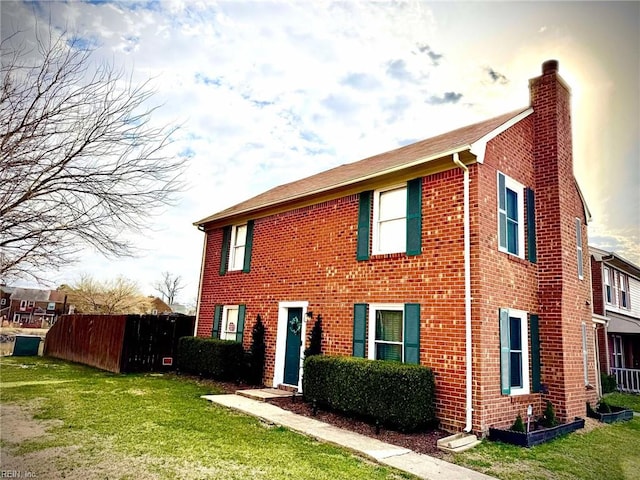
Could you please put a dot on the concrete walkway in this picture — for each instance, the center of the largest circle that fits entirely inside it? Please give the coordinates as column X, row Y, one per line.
column 422, row 466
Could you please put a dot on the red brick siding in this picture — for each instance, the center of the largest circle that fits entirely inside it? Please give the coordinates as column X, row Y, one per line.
column 309, row 254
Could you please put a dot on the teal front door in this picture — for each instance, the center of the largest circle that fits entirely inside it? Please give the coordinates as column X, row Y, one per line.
column 292, row 349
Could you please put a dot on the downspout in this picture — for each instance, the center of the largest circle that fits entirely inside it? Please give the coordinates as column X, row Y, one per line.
column 467, row 295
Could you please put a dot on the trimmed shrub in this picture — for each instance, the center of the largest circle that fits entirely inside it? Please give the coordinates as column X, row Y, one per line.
column 548, row 416
column 315, row 339
column 518, row 425
column 609, row 383
column 211, row 358
column 394, row 394
column 255, row 370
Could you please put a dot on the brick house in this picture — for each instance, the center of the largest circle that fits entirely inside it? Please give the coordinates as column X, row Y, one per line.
column 462, row 252
column 616, row 307
column 35, row 308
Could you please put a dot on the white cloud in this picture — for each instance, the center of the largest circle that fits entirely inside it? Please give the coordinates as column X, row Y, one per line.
column 269, row 92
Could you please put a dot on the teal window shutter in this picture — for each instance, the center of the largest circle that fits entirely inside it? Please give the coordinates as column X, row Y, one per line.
column 364, row 225
column 412, row 333
column 224, row 255
column 217, row 316
column 240, row 329
column 359, row 329
column 414, row 217
column 505, row 352
column 531, row 226
column 247, row 247
column 534, row 328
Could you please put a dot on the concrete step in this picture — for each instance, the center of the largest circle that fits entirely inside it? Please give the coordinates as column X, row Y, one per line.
column 263, row 394
column 458, row 442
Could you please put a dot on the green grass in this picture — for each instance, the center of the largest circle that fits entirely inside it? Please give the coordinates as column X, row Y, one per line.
column 626, row 400
column 609, row 451
column 103, row 425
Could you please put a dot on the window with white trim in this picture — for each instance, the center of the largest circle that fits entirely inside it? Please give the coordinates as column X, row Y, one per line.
column 510, row 216
column 3, row 301
column 514, row 343
column 390, row 220
column 238, row 241
column 51, row 306
column 608, row 288
column 229, row 327
column 16, row 317
column 579, row 247
column 386, row 332
column 23, row 304
column 618, row 357
column 623, row 285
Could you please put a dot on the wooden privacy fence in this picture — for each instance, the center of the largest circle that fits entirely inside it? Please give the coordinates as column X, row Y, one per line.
column 119, row 343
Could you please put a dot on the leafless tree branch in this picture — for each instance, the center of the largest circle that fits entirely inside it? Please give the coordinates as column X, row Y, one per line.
column 169, row 286
column 80, row 161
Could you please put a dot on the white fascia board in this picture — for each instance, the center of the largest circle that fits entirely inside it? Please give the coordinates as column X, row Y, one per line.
column 479, row 147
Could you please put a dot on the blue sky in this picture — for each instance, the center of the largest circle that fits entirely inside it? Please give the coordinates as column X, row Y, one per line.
column 270, row 92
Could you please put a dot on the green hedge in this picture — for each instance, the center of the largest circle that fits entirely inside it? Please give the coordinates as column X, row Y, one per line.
column 609, row 383
column 211, row 358
column 397, row 395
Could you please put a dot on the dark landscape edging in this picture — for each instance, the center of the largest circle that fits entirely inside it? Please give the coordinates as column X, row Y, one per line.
column 536, row 437
column 618, row 414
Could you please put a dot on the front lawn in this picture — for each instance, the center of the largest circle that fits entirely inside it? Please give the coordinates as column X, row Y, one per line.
column 61, row 420
column 606, row 452
column 626, row 400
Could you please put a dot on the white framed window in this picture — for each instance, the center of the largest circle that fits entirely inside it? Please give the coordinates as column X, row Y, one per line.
column 238, row 242
column 514, row 345
column 390, row 220
column 51, row 306
column 618, row 357
column 510, row 216
column 229, row 327
column 3, row 301
column 16, row 317
column 23, row 304
column 386, row 332
column 579, row 247
column 608, row 288
column 623, row 285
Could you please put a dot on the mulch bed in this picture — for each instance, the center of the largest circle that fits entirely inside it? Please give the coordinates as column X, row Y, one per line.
column 420, row 442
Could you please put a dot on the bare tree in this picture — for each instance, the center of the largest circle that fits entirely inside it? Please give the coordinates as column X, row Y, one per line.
column 80, row 161
column 119, row 295
column 169, row 287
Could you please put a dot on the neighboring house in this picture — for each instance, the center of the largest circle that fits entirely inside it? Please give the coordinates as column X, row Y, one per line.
column 463, row 253
column 157, row 306
column 35, row 308
column 616, row 303
column 5, row 303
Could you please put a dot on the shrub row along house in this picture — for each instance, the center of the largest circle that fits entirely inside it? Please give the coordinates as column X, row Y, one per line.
column 465, row 253
column 616, row 308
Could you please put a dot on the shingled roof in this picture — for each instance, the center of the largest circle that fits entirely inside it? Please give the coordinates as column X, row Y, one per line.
column 410, row 155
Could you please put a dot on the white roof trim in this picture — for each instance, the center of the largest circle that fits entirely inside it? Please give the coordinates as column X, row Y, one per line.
column 479, row 147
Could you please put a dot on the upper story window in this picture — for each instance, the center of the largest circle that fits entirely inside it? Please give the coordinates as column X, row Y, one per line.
column 3, row 301
column 390, row 220
column 51, row 306
column 608, row 287
column 579, row 247
column 510, row 216
column 23, row 304
column 623, row 285
column 238, row 242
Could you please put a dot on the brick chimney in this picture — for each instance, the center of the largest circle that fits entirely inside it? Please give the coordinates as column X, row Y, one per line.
column 562, row 294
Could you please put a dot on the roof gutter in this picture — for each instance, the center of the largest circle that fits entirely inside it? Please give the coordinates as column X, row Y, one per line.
column 467, row 296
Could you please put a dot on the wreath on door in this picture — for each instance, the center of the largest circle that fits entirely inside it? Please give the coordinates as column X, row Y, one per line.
column 295, row 325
